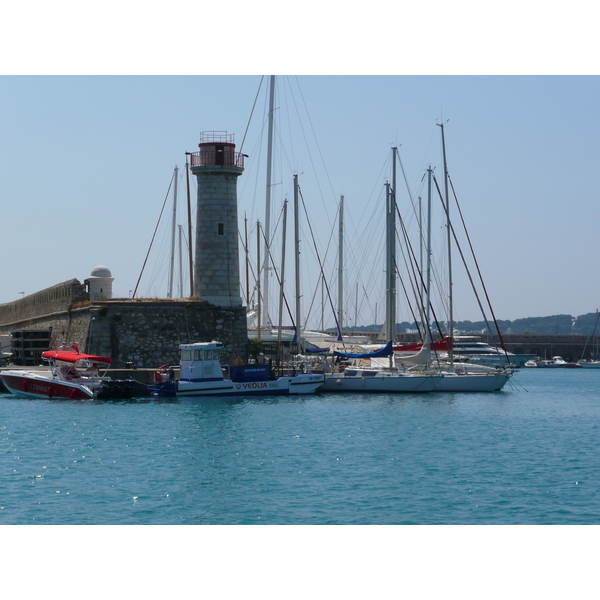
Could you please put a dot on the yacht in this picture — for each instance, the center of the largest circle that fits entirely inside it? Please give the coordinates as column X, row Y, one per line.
column 471, row 349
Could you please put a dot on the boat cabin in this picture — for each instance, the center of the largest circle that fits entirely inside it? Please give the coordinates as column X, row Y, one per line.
column 201, row 361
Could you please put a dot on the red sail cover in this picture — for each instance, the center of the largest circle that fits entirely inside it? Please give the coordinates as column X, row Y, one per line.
column 442, row 346
column 73, row 357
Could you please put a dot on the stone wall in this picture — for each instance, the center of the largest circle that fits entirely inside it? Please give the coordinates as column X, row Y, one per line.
column 55, row 299
column 145, row 333
column 148, row 333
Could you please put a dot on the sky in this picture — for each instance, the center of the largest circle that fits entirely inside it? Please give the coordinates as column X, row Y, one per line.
column 88, row 149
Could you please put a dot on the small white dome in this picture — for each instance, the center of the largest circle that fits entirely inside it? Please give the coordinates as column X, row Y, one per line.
column 101, row 271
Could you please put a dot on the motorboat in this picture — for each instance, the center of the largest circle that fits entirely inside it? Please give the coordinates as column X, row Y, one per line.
column 468, row 349
column 71, row 376
column 556, row 362
column 473, row 350
column 201, row 374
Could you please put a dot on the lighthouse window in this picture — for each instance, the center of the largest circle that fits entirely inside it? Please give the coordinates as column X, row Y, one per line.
column 220, row 228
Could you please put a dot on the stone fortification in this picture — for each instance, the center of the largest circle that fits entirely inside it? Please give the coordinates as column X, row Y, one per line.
column 55, row 299
column 148, row 333
column 143, row 332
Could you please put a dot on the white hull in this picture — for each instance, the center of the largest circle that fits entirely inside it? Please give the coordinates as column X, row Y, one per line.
column 498, row 360
column 556, row 362
column 42, row 385
column 293, row 385
column 472, row 349
column 471, row 382
column 392, row 383
column 590, row 365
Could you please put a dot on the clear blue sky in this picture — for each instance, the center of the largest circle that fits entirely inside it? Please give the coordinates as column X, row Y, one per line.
column 86, row 160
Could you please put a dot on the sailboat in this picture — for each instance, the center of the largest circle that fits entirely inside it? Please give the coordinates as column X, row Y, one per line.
column 371, row 379
column 376, row 379
column 594, row 363
column 262, row 321
column 457, row 377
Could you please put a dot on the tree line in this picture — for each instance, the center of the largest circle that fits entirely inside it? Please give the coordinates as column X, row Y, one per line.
column 586, row 324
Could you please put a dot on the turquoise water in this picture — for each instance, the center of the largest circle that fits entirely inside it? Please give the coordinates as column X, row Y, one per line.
column 527, row 455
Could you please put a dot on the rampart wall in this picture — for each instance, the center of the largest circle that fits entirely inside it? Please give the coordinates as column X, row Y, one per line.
column 142, row 332
column 55, row 299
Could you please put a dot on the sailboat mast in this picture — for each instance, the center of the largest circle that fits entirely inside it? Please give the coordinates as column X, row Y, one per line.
column 267, row 228
column 428, row 259
column 258, row 279
column 422, row 290
column 297, row 258
column 388, row 267
column 393, row 247
column 180, row 231
column 247, row 261
column 173, row 229
column 283, row 234
column 341, row 267
column 448, row 226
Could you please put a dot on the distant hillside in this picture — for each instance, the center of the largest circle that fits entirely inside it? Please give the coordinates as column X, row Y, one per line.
column 554, row 325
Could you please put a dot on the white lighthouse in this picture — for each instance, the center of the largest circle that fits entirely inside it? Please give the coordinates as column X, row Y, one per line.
column 217, row 166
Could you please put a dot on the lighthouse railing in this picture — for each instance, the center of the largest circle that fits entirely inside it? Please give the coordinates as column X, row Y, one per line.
column 211, row 157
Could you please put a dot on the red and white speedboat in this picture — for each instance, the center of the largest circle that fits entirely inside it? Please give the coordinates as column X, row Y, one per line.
column 72, row 376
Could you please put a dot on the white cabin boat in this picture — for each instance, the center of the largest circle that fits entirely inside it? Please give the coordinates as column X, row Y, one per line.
column 201, row 374
column 472, row 349
column 556, row 362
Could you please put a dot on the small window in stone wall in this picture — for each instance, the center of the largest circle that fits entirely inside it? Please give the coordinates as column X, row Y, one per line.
column 220, row 228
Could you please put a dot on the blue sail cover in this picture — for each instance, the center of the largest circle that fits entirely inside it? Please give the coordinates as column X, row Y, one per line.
column 385, row 351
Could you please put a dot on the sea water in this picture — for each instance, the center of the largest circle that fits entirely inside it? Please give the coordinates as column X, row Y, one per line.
column 529, row 454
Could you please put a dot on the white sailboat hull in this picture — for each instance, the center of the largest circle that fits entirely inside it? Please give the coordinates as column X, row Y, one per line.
column 390, row 383
column 471, row 382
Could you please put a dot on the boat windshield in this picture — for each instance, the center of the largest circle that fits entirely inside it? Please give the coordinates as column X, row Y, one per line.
column 188, row 354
